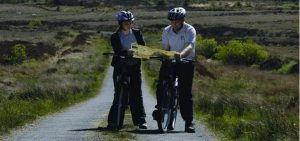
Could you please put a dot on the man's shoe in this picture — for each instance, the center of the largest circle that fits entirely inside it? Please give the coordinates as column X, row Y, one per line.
column 189, row 128
column 142, row 126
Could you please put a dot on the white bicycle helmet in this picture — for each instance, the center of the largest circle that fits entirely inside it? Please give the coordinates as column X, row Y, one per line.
column 177, row 13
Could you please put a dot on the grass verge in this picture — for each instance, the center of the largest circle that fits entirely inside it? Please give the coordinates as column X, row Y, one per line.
column 37, row 88
column 248, row 104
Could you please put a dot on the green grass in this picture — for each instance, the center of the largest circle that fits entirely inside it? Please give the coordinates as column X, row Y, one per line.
column 42, row 87
column 151, row 69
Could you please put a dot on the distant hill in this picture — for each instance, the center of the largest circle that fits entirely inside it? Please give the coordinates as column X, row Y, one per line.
column 132, row 2
column 78, row 2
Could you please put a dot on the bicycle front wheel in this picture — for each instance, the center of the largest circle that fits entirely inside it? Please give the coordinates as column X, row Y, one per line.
column 166, row 112
column 173, row 110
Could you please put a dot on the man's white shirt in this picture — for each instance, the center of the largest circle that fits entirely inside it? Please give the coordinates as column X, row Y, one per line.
column 179, row 41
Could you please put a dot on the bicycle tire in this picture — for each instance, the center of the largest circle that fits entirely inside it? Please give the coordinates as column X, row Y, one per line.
column 166, row 113
column 174, row 110
column 122, row 105
column 119, row 108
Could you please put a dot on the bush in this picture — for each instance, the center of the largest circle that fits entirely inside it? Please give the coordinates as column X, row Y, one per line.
column 289, row 6
column 288, row 67
column 238, row 4
column 65, row 33
column 239, row 52
column 271, row 63
column 34, row 24
column 18, row 54
column 207, row 47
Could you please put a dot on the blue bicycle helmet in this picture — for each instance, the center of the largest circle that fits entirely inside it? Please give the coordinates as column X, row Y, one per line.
column 124, row 16
column 177, row 13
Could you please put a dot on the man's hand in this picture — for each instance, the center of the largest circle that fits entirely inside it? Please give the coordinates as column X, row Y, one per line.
column 185, row 52
column 177, row 55
column 130, row 52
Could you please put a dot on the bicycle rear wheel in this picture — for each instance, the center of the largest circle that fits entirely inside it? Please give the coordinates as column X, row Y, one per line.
column 122, row 102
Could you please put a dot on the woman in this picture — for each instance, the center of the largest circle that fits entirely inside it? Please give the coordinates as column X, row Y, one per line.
column 121, row 42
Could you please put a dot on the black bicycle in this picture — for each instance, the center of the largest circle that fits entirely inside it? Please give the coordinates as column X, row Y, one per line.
column 122, row 86
column 170, row 94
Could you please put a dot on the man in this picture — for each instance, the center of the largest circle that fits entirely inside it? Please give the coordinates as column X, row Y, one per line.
column 179, row 37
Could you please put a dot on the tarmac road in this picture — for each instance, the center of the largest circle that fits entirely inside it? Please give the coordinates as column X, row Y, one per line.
column 67, row 125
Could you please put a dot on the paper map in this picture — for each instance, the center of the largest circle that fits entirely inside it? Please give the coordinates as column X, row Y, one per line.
column 145, row 52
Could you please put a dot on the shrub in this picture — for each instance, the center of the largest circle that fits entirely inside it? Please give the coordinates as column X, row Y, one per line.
column 239, row 52
column 65, row 33
column 288, row 67
column 238, row 4
column 213, row 4
column 271, row 63
column 289, row 6
column 34, row 24
column 207, row 47
column 18, row 54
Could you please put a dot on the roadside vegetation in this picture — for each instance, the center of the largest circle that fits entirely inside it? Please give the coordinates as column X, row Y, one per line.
column 234, row 96
column 32, row 87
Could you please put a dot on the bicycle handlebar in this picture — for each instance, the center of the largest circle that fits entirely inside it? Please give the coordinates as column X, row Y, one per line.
column 173, row 60
column 154, row 57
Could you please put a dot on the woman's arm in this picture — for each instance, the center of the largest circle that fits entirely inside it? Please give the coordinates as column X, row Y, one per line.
column 116, row 45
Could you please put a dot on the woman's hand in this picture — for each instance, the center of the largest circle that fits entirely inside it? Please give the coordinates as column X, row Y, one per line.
column 130, row 52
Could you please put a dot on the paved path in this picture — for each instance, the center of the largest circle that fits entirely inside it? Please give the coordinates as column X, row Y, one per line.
column 85, row 116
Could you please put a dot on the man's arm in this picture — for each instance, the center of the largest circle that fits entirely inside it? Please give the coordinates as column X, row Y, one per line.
column 185, row 52
column 191, row 39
